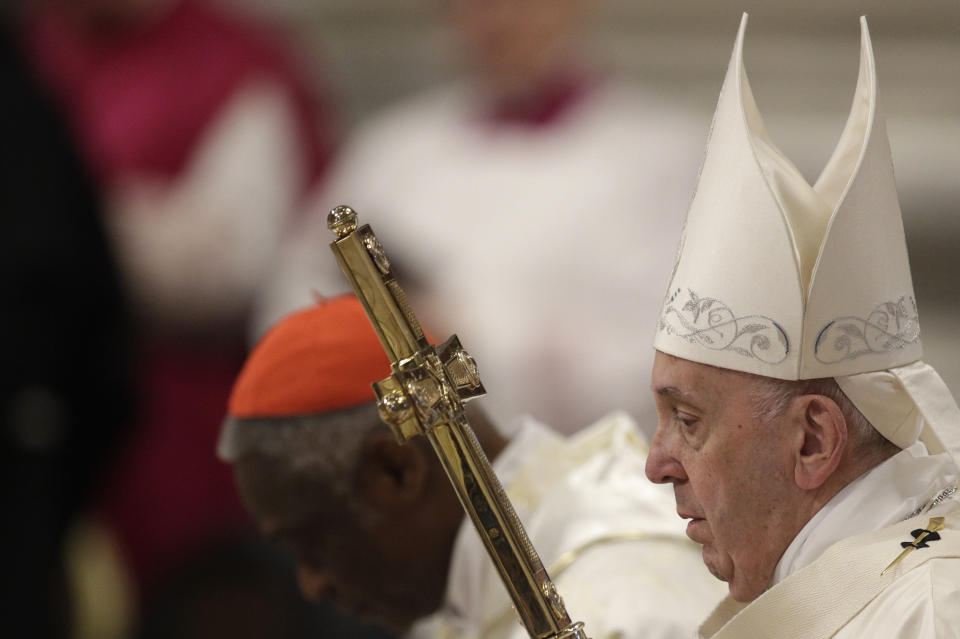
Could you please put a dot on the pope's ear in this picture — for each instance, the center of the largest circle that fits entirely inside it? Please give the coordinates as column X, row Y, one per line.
column 391, row 475
column 823, row 442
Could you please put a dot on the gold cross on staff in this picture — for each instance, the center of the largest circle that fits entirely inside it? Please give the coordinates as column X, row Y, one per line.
column 935, row 524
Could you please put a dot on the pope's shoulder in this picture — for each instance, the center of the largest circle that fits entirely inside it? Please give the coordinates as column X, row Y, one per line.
column 923, row 602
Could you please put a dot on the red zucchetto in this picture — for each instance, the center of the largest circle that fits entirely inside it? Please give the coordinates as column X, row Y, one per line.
column 316, row 360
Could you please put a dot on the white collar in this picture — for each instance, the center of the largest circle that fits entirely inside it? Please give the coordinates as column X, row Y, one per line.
column 888, row 493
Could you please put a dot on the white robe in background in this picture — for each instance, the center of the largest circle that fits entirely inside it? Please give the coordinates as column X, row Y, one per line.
column 544, row 248
column 635, row 574
column 922, row 598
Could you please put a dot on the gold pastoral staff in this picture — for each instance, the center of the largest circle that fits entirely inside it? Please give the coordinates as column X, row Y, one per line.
column 424, row 396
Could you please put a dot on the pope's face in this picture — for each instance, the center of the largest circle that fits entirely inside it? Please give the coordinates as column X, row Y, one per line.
column 730, row 471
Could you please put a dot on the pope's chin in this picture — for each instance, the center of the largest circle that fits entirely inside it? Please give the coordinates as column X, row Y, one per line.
column 719, row 565
column 724, row 570
column 711, row 559
column 743, row 580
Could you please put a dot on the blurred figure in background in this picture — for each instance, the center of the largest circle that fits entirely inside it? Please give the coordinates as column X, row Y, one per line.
column 65, row 399
column 203, row 137
column 525, row 204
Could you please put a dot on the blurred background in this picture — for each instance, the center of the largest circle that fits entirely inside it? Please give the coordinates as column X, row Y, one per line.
column 802, row 61
column 192, row 139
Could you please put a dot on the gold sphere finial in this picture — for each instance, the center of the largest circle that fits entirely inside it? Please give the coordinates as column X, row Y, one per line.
column 342, row 221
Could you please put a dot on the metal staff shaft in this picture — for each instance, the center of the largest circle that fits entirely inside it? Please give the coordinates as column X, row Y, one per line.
column 424, row 396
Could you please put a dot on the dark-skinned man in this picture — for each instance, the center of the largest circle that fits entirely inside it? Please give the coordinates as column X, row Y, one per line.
column 375, row 526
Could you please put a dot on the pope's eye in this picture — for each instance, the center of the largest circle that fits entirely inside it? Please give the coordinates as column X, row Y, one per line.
column 685, row 419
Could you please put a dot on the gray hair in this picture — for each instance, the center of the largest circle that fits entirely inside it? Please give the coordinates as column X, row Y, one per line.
column 320, row 449
column 772, row 397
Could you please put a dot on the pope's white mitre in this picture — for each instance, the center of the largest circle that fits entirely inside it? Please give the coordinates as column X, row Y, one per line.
column 778, row 278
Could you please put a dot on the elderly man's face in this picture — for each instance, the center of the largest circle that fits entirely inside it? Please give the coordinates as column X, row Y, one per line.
column 731, row 472
column 362, row 562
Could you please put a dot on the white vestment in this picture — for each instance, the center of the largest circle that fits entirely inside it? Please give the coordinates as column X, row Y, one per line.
column 544, row 248
column 920, row 597
column 609, row 538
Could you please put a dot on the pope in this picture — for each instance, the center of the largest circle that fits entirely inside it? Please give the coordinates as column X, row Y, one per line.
column 812, row 450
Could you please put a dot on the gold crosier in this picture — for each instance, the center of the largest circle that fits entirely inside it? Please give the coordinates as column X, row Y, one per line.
column 424, row 396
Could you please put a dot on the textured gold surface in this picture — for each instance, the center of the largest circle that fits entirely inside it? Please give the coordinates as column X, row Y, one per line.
column 342, row 221
column 425, row 395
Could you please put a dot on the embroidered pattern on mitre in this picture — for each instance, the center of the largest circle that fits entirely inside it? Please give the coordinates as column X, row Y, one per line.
column 756, row 287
